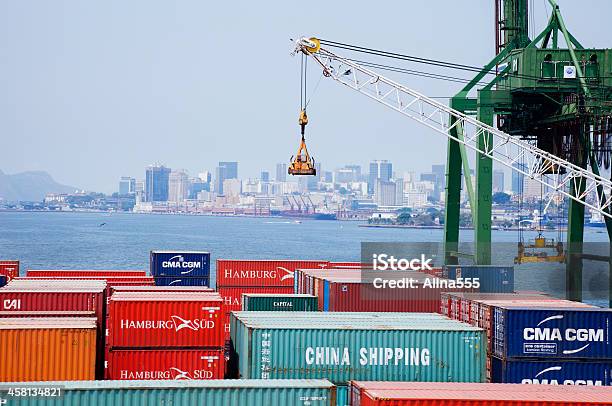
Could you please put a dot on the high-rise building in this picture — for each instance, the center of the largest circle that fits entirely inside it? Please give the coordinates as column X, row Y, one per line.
column 140, row 186
column 327, row 177
column 384, row 193
column 231, row 169
column 232, row 187
column 156, row 183
column 220, row 176
column 197, row 185
column 517, row 179
column 382, row 170
column 399, row 192
column 498, row 181
column 440, row 171
column 349, row 173
column 281, row 172
column 178, row 186
column 127, row 186
column 265, row 176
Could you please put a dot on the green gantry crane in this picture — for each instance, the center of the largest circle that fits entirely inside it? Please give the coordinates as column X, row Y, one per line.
column 560, row 99
column 554, row 118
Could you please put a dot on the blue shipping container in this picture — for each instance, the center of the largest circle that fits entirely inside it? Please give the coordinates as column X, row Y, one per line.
column 552, row 333
column 180, row 263
column 178, row 281
column 559, row 372
column 493, row 279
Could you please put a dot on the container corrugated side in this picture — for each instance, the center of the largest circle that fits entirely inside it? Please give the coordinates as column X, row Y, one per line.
column 153, row 288
column 181, row 281
column 51, row 299
column 137, row 364
column 552, row 333
column 371, row 346
column 278, row 302
column 174, row 319
column 553, row 372
column 235, row 272
column 462, row 394
column 47, row 349
column 182, row 264
column 188, row 393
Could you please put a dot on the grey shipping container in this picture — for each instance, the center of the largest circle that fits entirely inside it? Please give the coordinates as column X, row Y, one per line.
column 182, row 393
column 492, row 279
column 362, row 346
column 278, row 302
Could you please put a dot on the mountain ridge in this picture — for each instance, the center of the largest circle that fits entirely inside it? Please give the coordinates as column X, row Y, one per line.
column 30, row 186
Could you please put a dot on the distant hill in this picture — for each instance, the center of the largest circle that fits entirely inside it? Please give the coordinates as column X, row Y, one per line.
column 29, row 186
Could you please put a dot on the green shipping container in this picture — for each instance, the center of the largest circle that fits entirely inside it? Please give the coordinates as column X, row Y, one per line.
column 269, row 302
column 421, row 347
column 181, row 393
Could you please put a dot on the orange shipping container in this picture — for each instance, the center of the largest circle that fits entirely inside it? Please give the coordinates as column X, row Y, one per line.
column 47, row 349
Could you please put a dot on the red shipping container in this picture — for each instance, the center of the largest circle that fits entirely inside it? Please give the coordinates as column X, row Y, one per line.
column 10, row 269
column 358, row 294
column 232, row 299
column 26, row 295
column 78, row 272
column 154, row 288
column 475, row 394
column 234, row 272
column 110, row 280
column 166, row 364
column 174, row 319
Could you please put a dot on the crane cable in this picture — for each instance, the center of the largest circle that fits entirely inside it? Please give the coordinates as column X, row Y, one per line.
column 428, row 61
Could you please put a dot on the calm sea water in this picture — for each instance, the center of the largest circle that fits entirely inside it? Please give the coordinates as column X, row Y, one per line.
column 123, row 241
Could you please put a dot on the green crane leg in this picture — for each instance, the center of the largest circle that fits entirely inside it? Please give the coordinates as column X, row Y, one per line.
column 452, row 202
column 575, row 238
column 484, row 191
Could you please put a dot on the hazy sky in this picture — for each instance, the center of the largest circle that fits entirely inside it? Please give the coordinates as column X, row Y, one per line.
column 93, row 90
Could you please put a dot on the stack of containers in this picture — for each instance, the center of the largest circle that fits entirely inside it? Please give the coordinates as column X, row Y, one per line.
column 423, row 347
column 235, row 277
column 538, row 363
column 131, row 288
column 47, row 297
column 553, row 344
column 165, row 335
column 353, row 290
column 8, row 271
column 484, row 394
column 47, row 349
column 180, row 268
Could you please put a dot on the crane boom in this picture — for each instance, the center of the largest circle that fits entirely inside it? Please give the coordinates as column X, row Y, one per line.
column 520, row 156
